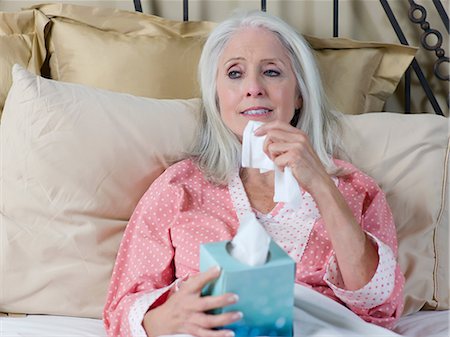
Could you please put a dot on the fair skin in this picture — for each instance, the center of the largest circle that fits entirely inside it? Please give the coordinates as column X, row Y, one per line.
column 184, row 311
column 255, row 81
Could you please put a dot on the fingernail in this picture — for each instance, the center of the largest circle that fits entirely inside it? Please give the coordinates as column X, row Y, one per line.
column 229, row 334
column 215, row 268
column 233, row 298
column 238, row 315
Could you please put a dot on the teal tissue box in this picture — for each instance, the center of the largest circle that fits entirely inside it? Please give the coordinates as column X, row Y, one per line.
column 266, row 292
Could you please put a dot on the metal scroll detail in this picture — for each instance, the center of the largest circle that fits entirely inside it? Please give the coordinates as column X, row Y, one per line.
column 428, row 31
column 415, row 65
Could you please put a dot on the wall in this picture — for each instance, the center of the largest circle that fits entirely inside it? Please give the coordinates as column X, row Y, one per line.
column 359, row 19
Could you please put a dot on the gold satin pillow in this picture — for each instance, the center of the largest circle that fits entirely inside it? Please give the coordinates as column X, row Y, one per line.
column 20, row 43
column 359, row 76
column 150, row 56
column 122, row 51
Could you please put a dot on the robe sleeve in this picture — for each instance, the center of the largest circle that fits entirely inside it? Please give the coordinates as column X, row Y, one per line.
column 143, row 273
column 380, row 301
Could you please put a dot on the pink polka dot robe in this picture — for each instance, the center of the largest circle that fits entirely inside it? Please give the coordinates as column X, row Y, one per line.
column 181, row 210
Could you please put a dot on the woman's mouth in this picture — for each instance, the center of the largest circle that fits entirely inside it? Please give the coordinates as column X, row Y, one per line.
column 256, row 112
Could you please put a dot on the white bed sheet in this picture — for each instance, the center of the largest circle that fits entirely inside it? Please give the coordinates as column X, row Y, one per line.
column 50, row 326
column 315, row 316
column 425, row 324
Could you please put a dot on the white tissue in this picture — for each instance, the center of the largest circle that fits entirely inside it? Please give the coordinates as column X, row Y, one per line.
column 287, row 188
column 251, row 243
column 252, row 149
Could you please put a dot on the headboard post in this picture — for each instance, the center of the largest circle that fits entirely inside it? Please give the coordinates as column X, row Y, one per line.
column 264, row 5
column 137, row 5
column 335, row 18
column 185, row 10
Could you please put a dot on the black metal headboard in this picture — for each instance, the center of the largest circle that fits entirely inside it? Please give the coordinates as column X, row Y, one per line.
column 418, row 15
column 437, row 48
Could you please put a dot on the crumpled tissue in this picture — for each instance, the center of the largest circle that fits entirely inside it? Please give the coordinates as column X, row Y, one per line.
column 287, row 188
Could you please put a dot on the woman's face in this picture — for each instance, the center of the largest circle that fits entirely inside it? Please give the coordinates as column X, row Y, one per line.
column 255, row 80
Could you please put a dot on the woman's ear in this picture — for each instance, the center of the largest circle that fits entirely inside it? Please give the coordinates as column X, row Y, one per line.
column 298, row 107
column 299, row 102
column 295, row 118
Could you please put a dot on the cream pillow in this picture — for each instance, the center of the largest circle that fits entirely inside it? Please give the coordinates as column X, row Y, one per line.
column 75, row 162
column 408, row 156
column 150, row 56
column 22, row 42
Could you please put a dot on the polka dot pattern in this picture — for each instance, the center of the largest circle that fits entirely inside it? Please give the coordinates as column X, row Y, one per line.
column 289, row 228
column 140, row 307
column 181, row 210
column 374, row 293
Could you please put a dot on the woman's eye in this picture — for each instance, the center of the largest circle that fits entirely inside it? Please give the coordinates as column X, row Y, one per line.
column 234, row 74
column 272, row 73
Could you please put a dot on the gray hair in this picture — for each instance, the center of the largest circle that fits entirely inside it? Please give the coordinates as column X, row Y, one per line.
column 218, row 150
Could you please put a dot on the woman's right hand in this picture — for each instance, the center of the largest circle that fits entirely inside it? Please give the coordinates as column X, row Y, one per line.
column 184, row 312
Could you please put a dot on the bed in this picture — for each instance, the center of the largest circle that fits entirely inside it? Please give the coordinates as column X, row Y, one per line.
column 94, row 110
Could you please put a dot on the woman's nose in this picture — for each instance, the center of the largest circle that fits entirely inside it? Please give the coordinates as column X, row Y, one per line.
column 254, row 87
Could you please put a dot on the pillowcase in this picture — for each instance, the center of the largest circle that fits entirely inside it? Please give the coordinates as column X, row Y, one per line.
column 20, row 43
column 122, row 51
column 75, row 162
column 154, row 57
column 360, row 76
column 408, row 156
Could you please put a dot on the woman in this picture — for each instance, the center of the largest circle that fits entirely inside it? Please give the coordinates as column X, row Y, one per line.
column 255, row 67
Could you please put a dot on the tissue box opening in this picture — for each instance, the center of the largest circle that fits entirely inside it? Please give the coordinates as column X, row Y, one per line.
column 266, row 292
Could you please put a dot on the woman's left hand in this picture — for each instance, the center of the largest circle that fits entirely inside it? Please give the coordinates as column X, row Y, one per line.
column 288, row 146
